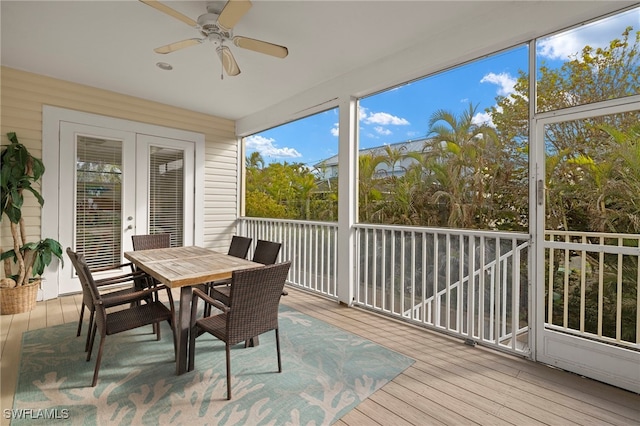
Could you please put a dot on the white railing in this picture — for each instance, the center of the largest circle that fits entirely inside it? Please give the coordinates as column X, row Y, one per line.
column 593, row 279
column 472, row 284
column 310, row 246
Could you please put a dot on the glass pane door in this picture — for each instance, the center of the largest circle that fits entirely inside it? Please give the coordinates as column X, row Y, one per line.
column 166, row 193
column 98, row 206
column 165, row 187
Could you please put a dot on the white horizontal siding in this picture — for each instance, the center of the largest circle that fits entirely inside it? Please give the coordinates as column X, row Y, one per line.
column 23, row 94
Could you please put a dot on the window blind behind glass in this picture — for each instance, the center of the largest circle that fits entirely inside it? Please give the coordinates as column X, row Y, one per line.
column 99, row 200
column 166, row 193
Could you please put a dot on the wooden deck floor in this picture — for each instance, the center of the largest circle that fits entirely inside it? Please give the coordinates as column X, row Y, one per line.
column 450, row 383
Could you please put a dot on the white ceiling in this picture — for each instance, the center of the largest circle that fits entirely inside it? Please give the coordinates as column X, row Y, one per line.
column 335, row 47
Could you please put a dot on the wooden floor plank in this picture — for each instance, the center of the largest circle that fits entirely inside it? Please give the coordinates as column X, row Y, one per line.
column 38, row 316
column 54, row 312
column 5, row 325
column 357, row 418
column 449, row 383
column 392, row 410
column 71, row 308
column 10, row 360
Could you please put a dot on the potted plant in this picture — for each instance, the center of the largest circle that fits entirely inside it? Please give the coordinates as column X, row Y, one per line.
column 25, row 262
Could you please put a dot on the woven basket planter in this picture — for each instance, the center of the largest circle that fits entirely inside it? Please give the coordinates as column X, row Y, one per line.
column 19, row 299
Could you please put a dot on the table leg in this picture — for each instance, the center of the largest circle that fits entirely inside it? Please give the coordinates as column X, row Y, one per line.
column 184, row 318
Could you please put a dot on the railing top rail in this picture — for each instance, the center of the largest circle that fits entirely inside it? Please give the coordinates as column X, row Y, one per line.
column 273, row 220
column 591, row 234
column 594, row 248
column 451, row 231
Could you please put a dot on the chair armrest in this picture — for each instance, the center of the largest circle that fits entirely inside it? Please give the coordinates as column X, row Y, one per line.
column 108, row 268
column 119, row 279
column 134, row 296
column 208, row 300
column 219, row 283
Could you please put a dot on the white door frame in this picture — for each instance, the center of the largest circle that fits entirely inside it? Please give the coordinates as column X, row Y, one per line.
column 51, row 185
column 598, row 360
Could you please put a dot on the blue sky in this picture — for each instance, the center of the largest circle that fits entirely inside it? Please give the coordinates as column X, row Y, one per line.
column 403, row 113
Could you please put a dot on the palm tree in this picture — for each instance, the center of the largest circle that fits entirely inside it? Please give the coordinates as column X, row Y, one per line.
column 463, row 156
column 369, row 193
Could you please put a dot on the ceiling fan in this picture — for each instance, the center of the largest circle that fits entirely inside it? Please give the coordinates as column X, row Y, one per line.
column 216, row 26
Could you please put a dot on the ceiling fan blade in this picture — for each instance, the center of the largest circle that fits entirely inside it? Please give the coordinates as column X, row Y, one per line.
column 261, row 46
column 232, row 12
column 171, row 12
column 228, row 61
column 178, row 45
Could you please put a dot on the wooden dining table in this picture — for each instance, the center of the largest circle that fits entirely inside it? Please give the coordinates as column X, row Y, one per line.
column 183, row 267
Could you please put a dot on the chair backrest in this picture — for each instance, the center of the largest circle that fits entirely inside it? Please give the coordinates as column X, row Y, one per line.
column 239, row 246
column 266, row 252
column 151, row 241
column 77, row 260
column 84, row 274
column 88, row 283
column 256, row 295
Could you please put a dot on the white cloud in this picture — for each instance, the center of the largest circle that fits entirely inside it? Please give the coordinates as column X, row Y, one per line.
column 267, row 148
column 504, row 81
column 385, row 118
column 382, row 131
column 560, row 47
column 379, row 119
column 596, row 34
column 362, row 113
column 372, row 135
column 482, row 118
column 335, row 130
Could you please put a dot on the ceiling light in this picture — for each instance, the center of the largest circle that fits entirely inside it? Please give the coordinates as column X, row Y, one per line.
column 164, row 66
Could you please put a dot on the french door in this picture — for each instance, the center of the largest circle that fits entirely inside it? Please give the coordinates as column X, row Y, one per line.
column 115, row 184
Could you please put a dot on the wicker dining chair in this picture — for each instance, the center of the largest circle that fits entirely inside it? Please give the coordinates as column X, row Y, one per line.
column 256, row 295
column 112, row 298
column 239, row 247
column 151, row 241
column 153, row 312
column 266, row 252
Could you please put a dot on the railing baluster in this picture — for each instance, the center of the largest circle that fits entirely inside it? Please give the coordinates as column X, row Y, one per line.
column 436, row 281
column 471, row 287
column 583, row 283
column 619, row 294
column 515, row 293
column 482, row 323
column 565, row 315
column 424, row 278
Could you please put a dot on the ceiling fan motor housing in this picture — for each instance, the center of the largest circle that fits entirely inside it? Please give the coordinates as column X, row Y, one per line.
column 208, row 24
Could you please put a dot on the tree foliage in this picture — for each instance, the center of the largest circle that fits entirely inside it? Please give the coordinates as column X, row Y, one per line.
column 472, row 175
column 286, row 191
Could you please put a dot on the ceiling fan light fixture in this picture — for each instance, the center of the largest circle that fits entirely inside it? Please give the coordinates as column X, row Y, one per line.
column 164, row 66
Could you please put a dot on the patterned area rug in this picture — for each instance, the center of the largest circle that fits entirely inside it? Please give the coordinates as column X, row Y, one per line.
column 326, row 373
